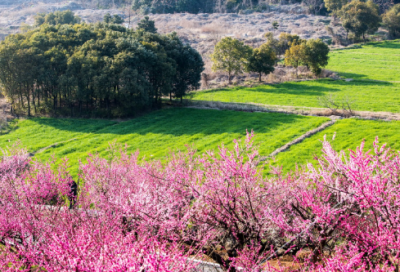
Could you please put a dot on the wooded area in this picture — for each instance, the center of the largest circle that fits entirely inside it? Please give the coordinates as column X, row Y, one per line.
column 95, row 69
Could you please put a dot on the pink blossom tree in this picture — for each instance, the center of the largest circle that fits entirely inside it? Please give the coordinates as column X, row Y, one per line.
column 150, row 216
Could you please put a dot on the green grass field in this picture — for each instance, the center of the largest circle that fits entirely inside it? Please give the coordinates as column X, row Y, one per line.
column 375, row 69
column 374, row 61
column 365, row 95
column 349, row 135
column 156, row 134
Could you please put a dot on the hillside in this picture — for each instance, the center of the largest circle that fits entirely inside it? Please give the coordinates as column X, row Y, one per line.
column 201, row 31
column 370, row 82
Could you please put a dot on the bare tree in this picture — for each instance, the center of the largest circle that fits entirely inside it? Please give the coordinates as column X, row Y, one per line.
column 341, row 107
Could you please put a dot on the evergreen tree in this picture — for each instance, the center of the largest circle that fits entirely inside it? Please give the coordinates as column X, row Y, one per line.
column 147, row 25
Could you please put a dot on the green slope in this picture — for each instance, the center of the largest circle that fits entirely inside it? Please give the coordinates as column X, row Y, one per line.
column 158, row 133
column 375, row 70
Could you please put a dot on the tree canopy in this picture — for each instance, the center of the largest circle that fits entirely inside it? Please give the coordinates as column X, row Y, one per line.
column 57, row 18
column 360, row 17
column 95, row 69
column 115, row 19
column 283, row 42
column 311, row 53
column 147, row 25
column 335, row 5
column 391, row 19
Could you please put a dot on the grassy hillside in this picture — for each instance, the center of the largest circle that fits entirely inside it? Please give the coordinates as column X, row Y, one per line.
column 375, row 69
column 365, row 95
column 156, row 134
column 376, row 61
column 349, row 135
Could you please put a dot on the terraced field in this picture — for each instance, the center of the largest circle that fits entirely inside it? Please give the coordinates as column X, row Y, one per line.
column 374, row 88
column 374, row 68
column 157, row 134
column 374, row 61
column 365, row 95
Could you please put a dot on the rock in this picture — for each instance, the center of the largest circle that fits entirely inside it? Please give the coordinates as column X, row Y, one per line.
column 348, row 79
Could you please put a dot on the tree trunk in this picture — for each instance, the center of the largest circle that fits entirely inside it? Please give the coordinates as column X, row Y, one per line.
column 54, row 102
column 259, row 77
column 229, row 78
column 29, row 105
column 21, row 100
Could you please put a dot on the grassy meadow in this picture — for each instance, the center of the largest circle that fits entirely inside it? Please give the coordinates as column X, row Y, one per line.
column 349, row 135
column 156, row 134
column 374, row 68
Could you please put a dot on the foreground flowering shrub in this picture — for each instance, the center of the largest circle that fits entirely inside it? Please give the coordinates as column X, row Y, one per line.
column 133, row 216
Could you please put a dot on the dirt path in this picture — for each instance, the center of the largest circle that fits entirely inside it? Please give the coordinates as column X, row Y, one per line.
column 51, row 146
column 298, row 140
column 306, row 111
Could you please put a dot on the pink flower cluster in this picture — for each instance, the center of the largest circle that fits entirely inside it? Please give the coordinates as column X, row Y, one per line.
column 130, row 215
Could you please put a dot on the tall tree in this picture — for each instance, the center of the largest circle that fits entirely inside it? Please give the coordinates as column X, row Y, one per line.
column 391, row 19
column 295, row 55
column 262, row 61
column 230, row 55
column 316, row 55
column 360, row 17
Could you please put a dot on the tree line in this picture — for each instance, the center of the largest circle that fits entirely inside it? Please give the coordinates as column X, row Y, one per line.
column 95, row 69
column 193, row 6
column 234, row 57
column 365, row 17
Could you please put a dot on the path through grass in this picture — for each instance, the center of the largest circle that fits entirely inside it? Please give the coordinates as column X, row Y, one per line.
column 349, row 135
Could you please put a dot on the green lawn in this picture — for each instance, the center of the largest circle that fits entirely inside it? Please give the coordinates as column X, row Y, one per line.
column 375, row 69
column 158, row 133
column 349, row 135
